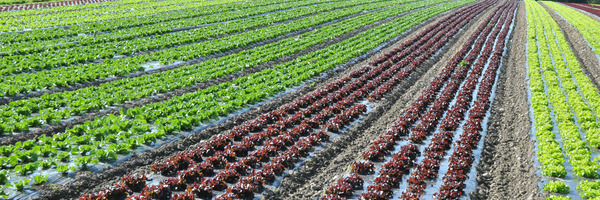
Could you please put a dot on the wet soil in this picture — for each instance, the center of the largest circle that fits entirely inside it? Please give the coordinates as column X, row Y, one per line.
column 506, row 169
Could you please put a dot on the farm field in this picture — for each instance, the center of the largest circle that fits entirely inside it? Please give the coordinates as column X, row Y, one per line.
column 308, row 99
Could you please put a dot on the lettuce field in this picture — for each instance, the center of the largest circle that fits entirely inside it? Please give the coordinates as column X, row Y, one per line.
column 305, row 99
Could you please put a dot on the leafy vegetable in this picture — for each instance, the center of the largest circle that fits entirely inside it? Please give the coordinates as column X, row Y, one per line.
column 557, row 187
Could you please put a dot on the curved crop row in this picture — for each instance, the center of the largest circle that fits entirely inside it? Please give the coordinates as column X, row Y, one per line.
column 559, row 101
column 20, row 23
column 219, row 144
column 63, row 77
column 67, row 8
column 190, row 25
column 92, row 50
column 585, row 7
column 12, row 7
column 562, row 93
column 99, row 11
column 462, row 158
column 134, row 128
column 78, row 30
column 88, row 99
column 391, row 172
column 587, row 26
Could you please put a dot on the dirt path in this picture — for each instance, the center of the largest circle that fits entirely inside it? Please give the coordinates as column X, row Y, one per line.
column 329, row 165
column 506, row 169
column 584, row 53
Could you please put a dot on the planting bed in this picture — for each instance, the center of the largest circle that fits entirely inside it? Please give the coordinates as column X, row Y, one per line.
column 310, row 99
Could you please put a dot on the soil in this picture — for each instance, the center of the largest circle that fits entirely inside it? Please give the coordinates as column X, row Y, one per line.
column 584, row 53
column 311, row 180
column 88, row 182
column 61, row 127
column 506, row 169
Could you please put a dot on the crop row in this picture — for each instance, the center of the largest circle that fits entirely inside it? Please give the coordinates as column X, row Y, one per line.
column 20, row 23
column 559, row 101
column 285, row 140
column 67, row 8
column 76, row 102
column 472, row 67
column 199, row 22
column 121, row 134
column 134, row 30
column 587, row 8
column 549, row 153
column 462, row 158
column 453, row 182
column 99, row 97
column 108, row 49
column 303, row 107
column 390, row 175
column 570, row 110
column 63, row 77
column 99, row 11
column 104, row 27
column 585, row 25
column 11, row 7
column 585, row 104
column 378, row 150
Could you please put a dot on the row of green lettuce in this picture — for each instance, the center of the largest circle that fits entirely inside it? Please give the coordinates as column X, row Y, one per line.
column 68, row 76
column 587, row 26
column 108, row 137
column 22, row 23
column 116, row 25
column 19, row 115
column 128, row 33
column 109, row 48
column 558, row 104
column 103, row 10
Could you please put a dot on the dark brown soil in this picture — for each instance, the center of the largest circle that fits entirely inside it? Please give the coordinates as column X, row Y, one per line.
column 506, row 168
column 57, row 128
column 311, row 180
column 88, row 182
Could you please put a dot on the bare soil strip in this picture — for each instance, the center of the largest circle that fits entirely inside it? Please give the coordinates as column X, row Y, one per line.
column 329, row 165
column 506, row 169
